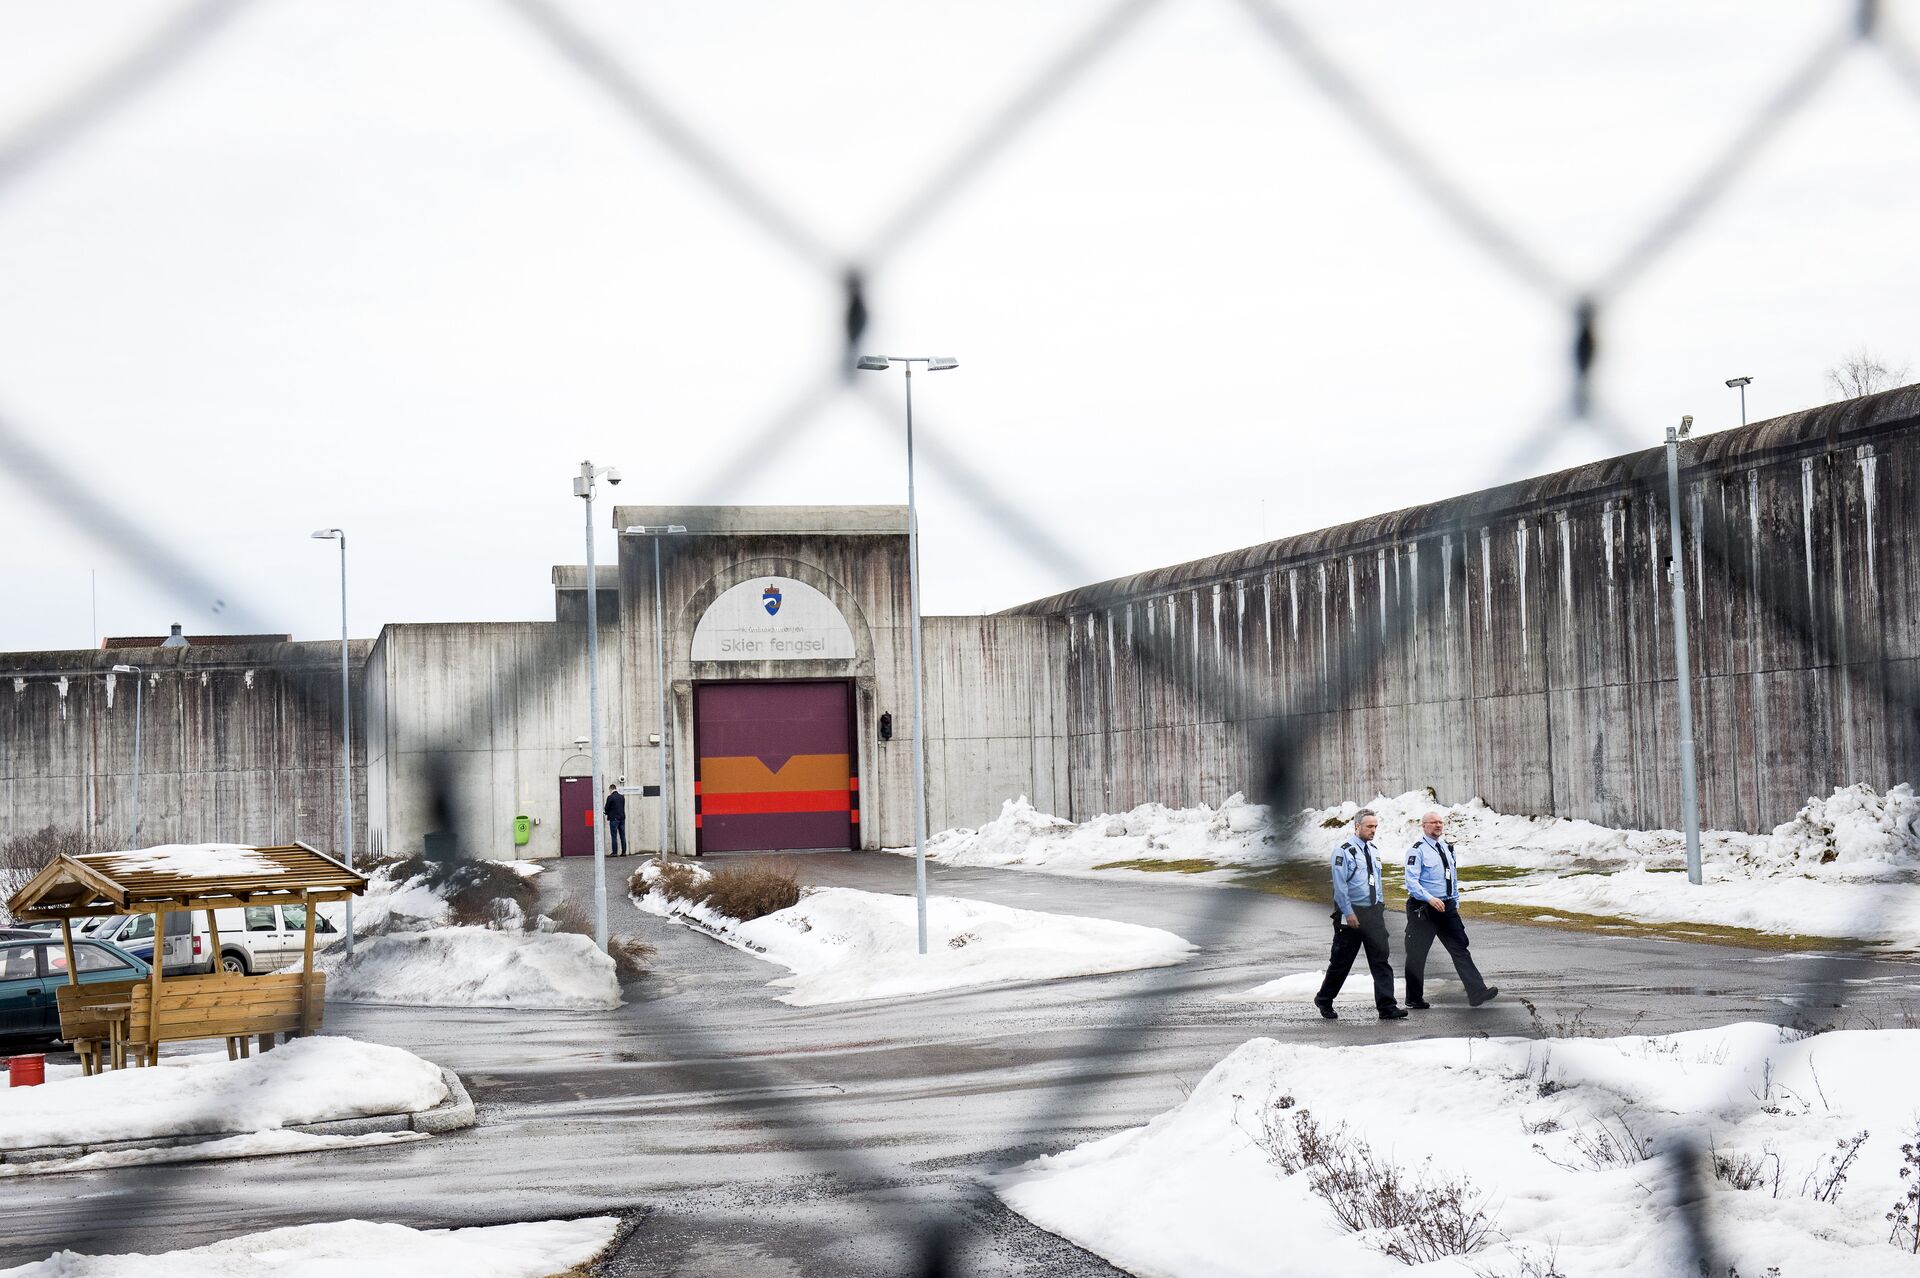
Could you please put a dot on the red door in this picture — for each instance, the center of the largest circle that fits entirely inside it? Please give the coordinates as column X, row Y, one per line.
column 774, row 766
column 576, row 816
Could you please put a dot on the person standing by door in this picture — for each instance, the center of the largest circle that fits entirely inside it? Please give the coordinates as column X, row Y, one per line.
column 1359, row 919
column 616, row 810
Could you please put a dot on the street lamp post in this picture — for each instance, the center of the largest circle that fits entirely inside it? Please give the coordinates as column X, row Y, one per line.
column 346, row 725
column 1742, row 383
column 1682, row 668
column 133, row 834
column 935, row 364
column 583, row 489
column 656, row 531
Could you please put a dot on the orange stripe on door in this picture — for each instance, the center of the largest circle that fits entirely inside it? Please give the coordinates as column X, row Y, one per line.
column 746, row 774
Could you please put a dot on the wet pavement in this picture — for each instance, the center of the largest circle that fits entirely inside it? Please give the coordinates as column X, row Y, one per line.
column 750, row 1138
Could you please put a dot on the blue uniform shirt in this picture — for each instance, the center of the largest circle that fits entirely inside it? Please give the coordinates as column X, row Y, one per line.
column 1356, row 875
column 1432, row 872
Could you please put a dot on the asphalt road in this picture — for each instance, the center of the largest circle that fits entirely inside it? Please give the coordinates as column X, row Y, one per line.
column 750, row 1138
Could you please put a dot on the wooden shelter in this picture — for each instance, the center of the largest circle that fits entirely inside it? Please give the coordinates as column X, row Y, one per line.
column 110, row 1020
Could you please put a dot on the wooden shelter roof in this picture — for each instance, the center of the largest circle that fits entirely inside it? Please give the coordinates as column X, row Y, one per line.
column 182, row 877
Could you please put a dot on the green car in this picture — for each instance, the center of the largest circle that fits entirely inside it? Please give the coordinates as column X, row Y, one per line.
column 30, row 972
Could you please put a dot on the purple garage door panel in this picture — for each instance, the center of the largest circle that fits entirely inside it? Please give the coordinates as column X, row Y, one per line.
column 775, row 765
column 773, row 721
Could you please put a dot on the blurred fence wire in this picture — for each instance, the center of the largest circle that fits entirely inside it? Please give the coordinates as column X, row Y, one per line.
column 937, row 1231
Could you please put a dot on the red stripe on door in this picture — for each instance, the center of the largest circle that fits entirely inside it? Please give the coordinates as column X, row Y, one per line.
column 776, row 801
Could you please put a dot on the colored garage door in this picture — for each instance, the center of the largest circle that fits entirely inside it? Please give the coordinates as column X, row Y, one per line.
column 775, row 764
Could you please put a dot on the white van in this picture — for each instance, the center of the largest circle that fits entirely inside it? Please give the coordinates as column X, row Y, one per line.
column 265, row 938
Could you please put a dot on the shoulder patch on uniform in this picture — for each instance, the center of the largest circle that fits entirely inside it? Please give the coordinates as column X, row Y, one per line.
column 1413, row 858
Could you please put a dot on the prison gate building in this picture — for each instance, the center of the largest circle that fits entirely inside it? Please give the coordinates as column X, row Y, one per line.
column 1528, row 660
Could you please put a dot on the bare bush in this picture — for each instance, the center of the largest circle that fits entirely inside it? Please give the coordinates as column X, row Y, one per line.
column 1748, row 1171
column 568, row 915
column 674, row 880
column 477, row 893
column 1906, row 1212
column 630, row 957
column 1829, row 1176
column 33, row 850
column 749, row 891
column 1413, row 1217
column 1602, row 1145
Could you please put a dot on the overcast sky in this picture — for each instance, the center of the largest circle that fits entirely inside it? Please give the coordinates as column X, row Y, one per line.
column 397, row 265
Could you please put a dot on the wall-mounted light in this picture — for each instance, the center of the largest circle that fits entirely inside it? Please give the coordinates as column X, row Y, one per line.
column 886, row 726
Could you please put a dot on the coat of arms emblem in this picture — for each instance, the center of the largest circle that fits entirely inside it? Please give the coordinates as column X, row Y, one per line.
column 770, row 599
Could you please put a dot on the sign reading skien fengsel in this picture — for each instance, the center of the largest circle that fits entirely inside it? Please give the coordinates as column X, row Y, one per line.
column 772, row 619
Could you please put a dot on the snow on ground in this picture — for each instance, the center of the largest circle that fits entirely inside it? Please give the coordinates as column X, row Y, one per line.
column 844, row 945
column 413, row 904
column 474, row 967
column 250, row 1145
column 535, row 1249
column 1847, row 865
column 1541, row 1128
column 308, row 1080
column 1297, row 988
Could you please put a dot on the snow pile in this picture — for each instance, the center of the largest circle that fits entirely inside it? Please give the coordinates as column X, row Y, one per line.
column 475, row 967
column 844, row 945
column 1846, row 866
column 197, row 860
column 1549, row 1133
column 535, row 1249
column 308, row 1080
column 1236, row 833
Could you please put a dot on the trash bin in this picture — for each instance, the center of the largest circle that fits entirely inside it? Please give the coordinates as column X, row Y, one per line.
column 522, row 831
column 26, row 1071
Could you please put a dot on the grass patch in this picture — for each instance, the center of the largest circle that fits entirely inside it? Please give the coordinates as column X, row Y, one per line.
column 1192, row 865
column 1492, row 873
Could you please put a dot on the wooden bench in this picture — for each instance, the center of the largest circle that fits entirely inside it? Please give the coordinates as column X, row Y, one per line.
column 93, row 1021
column 219, row 1005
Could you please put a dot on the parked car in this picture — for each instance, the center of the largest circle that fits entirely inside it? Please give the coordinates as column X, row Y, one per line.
column 188, row 949
column 31, row 972
column 265, row 938
column 20, row 934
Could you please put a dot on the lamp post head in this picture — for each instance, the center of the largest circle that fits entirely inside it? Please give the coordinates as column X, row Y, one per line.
column 327, row 534
column 1739, row 381
column 126, row 669
column 873, row 363
column 941, row 363
column 652, row 530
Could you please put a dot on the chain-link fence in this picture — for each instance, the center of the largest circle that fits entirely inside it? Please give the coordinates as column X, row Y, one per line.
column 34, row 454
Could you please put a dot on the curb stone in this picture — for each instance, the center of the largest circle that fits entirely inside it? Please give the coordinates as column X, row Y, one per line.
column 452, row 1114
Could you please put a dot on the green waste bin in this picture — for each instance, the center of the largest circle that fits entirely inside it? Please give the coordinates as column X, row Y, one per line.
column 522, row 831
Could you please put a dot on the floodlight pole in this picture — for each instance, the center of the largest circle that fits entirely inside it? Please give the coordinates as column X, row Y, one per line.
column 879, row 363
column 583, row 488
column 1682, row 669
column 346, row 725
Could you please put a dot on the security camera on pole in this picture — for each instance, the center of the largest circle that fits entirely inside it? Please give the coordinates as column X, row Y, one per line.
column 583, row 488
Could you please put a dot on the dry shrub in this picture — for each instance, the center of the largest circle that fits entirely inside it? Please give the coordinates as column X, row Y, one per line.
column 477, row 893
column 630, row 957
column 748, row 891
column 31, row 851
column 674, row 880
column 568, row 915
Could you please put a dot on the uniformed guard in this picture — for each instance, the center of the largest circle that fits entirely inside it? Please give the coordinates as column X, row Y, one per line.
column 1433, row 909
column 1359, row 919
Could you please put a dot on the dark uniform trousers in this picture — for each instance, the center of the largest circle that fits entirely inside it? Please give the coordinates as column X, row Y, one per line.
column 1425, row 923
column 1347, row 941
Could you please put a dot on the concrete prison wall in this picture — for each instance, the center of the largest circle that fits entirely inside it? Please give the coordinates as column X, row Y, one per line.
column 996, row 716
column 237, row 743
column 496, row 706
column 1528, row 640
